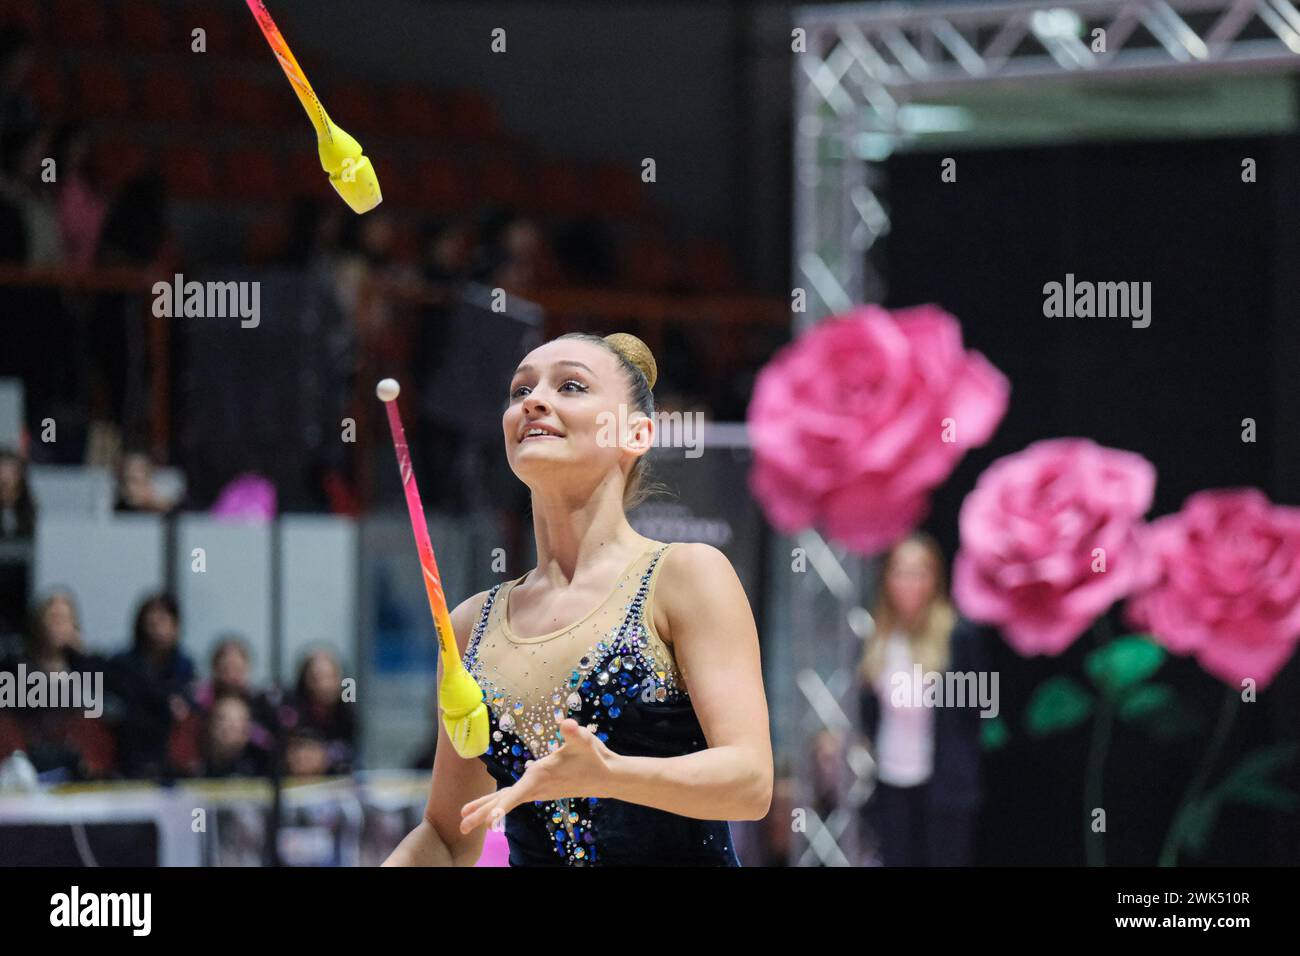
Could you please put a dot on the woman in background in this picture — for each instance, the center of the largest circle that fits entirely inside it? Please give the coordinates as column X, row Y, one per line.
column 153, row 682
column 61, row 742
column 17, row 511
column 322, row 715
column 927, row 758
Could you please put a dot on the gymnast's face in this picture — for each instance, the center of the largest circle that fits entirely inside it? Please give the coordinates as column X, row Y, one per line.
column 576, row 391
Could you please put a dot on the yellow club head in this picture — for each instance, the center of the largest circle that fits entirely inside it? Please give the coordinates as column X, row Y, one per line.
column 464, row 713
column 350, row 172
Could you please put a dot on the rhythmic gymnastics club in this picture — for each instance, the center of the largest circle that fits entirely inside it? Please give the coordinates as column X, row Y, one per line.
column 460, row 699
column 349, row 170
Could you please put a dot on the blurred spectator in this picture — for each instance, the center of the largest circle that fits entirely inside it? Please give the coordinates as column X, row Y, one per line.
column 135, row 229
column 135, row 485
column 153, row 681
column 22, row 153
column 232, row 677
column 307, row 754
column 528, row 259
column 81, row 207
column 17, row 511
column 228, row 749
column 54, row 638
column 827, row 772
column 448, row 251
column 17, row 58
column 135, row 234
column 61, row 741
column 927, row 758
column 319, row 707
column 514, row 254
column 366, row 252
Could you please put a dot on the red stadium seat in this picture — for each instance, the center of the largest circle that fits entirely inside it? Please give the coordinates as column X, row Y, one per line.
column 268, row 235
column 441, row 185
column 189, row 171
column 240, row 101
column 216, row 23
column 649, row 264
column 560, row 189
column 102, row 92
column 618, row 191
column 396, row 180
column 406, row 242
column 306, row 178
column 414, row 111
column 184, row 746
column 169, row 96
column 501, row 179
column 251, row 173
column 49, row 86
column 473, row 116
column 144, row 25
column 710, row 268
column 353, row 107
column 31, row 15
column 118, row 158
column 95, row 743
column 81, row 23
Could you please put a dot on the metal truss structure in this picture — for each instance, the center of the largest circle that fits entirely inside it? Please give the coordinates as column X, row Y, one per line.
column 859, row 65
column 856, row 69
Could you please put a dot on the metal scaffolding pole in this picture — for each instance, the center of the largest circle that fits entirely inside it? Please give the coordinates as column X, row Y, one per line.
column 858, row 68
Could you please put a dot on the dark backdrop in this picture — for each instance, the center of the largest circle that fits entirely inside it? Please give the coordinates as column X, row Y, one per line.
column 1223, row 345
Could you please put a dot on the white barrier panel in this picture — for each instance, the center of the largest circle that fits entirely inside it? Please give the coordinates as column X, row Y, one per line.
column 318, row 580
column 109, row 566
column 74, row 491
column 231, row 593
column 11, row 413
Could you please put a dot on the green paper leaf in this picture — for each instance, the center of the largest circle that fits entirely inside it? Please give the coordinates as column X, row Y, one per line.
column 1263, row 795
column 1057, row 704
column 1247, row 783
column 1124, row 662
column 1146, row 701
column 1158, row 710
column 994, row 733
column 1256, row 769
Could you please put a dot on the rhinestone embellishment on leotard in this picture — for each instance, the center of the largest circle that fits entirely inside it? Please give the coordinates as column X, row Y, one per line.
column 619, row 668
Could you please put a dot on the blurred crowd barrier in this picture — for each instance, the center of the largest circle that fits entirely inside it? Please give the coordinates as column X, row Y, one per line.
column 348, row 821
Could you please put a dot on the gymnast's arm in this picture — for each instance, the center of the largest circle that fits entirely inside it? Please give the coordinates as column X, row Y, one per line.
column 437, row 840
column 715, row 641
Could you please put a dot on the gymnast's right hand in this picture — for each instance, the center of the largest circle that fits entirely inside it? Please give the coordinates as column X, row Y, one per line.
column 437, row 840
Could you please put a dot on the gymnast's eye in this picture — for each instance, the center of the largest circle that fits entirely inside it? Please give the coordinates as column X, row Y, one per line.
column 572, row 381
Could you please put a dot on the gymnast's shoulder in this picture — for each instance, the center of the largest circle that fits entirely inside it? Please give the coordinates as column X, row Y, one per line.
column 695, row 580
column 465, row 616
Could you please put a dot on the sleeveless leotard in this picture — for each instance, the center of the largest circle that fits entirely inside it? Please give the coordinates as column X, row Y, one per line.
column 611, row 672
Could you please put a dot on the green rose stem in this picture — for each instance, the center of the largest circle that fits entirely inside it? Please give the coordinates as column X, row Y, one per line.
column 1093, row 843
column 1169, row 852
column 1094, row 846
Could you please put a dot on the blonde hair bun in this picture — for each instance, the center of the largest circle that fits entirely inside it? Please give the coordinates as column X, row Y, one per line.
column 636, row 352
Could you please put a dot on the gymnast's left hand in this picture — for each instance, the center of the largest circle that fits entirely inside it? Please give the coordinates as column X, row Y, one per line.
column 579, row 767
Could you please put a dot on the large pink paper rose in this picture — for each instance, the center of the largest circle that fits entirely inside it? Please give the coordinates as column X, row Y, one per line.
column 855, row 422
column 1224, row 584
column 1049, row 540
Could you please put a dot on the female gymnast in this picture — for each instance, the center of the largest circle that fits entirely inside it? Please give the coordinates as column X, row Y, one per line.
column 627, row 711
